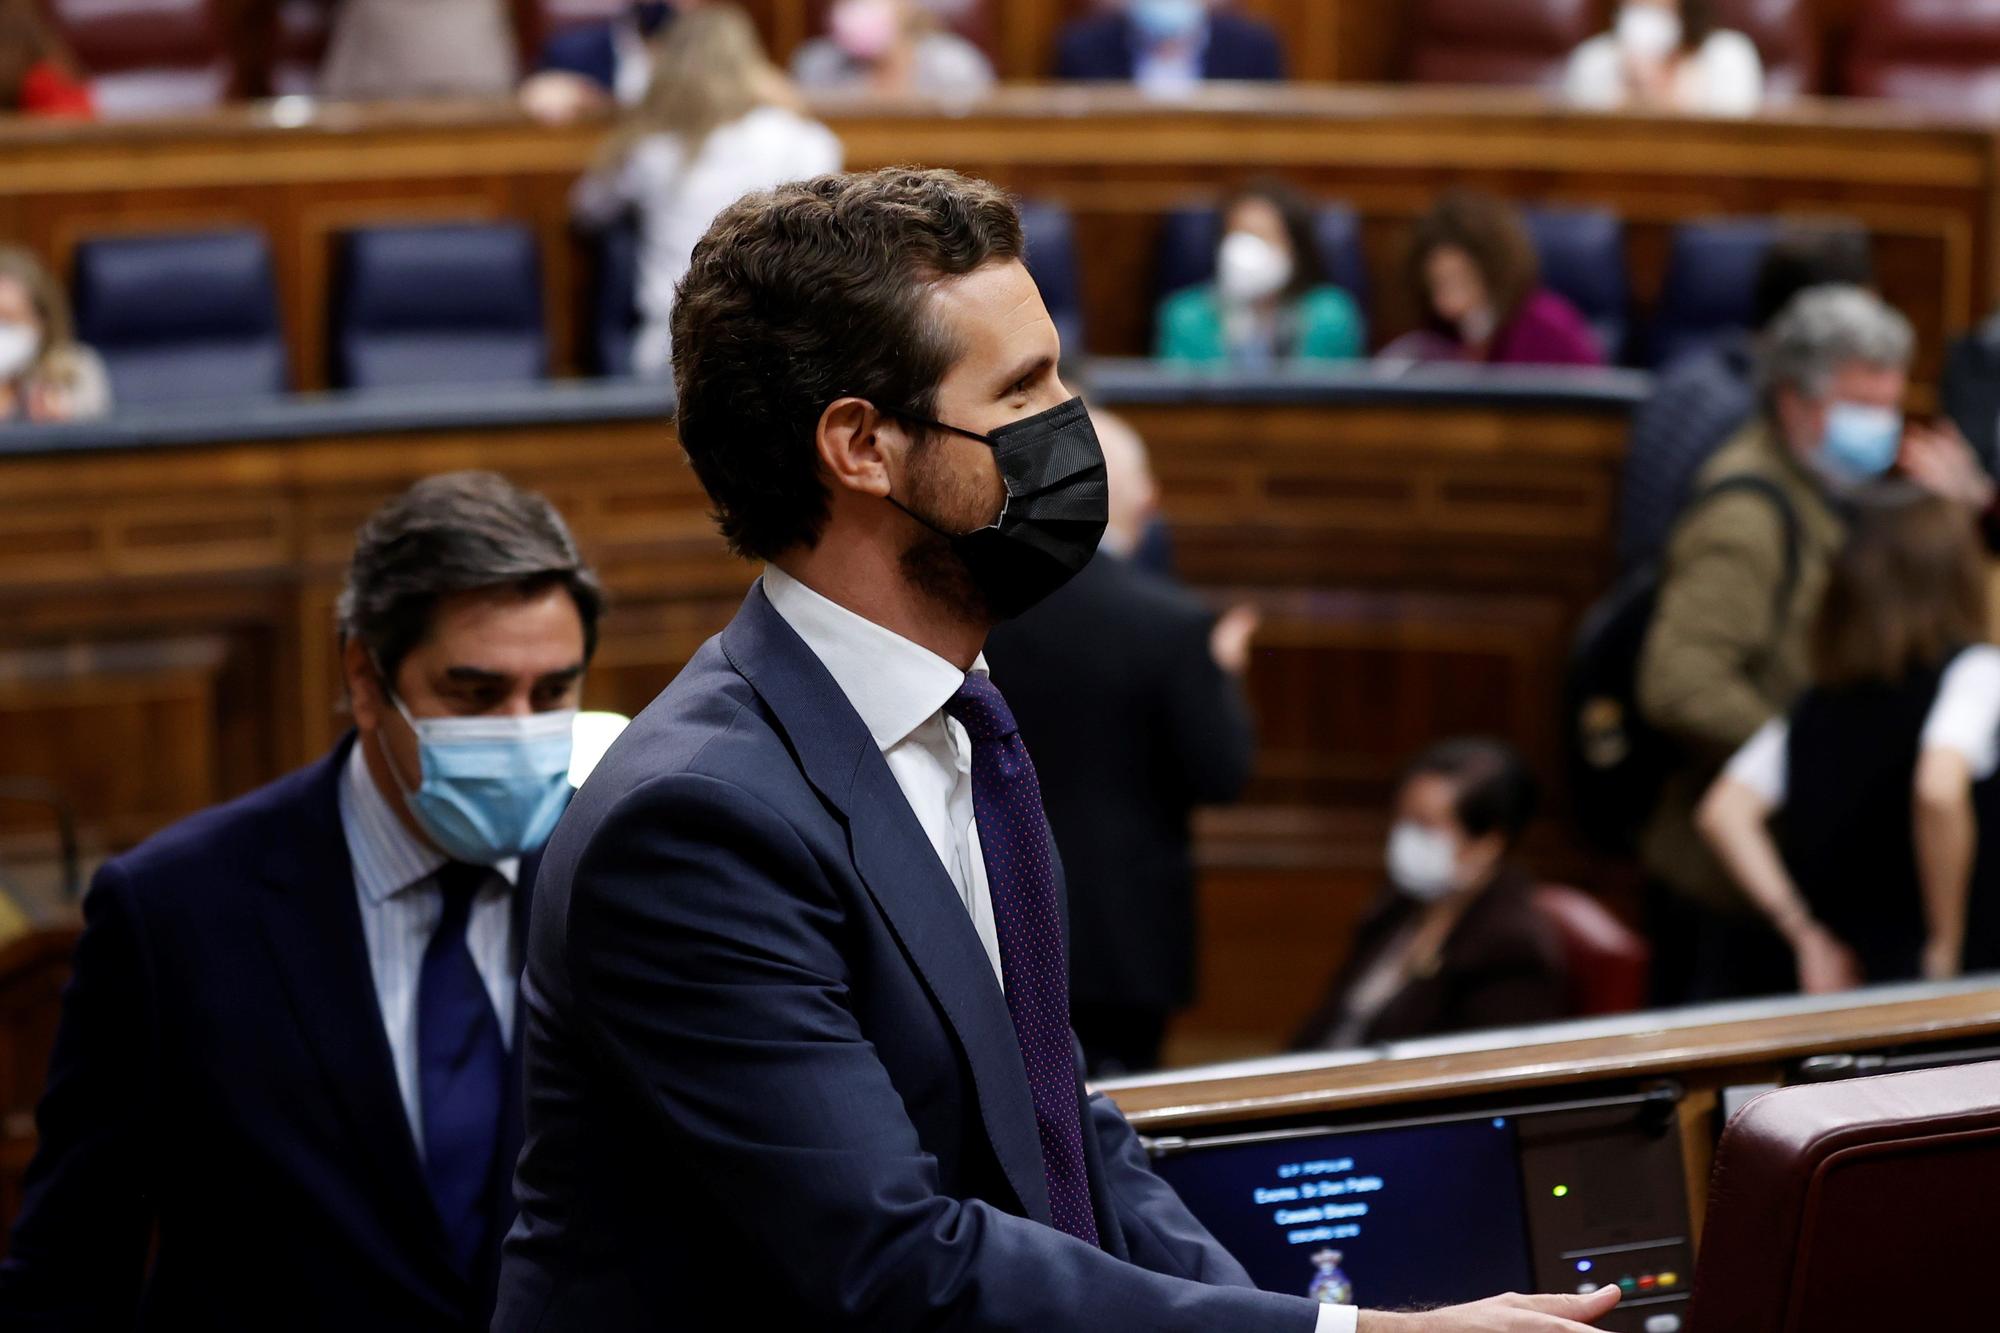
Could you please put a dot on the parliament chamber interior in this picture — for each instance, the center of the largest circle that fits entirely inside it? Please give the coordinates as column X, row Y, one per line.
column 1609, row 895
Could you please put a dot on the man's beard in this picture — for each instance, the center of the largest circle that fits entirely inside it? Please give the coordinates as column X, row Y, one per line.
column 929, row 563
column 935, row 570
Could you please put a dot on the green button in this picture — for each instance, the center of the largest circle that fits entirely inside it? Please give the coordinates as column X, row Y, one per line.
column 1629, row 1285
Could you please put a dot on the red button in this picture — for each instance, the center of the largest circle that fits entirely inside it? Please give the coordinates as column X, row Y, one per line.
column 1648, row 1282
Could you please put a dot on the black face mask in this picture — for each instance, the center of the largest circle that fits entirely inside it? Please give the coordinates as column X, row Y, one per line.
column 1057, row 506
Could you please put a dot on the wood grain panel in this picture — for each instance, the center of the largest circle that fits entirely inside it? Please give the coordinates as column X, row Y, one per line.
column 1926, row 188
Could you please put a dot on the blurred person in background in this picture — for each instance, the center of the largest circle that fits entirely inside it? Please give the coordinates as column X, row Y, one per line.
column 1269, row 301
column 1668, row 55
column 381, row 50
column 38, row 76
column 1168, row 47
column 1881, row 779
column 1473, row 273
column 719, row 121
column 1128, row 691
column 1454, row 942
column 1704, row 398
column 286, row 1088
column 45, row 374
column 592, row 68
column 893, row 48
column 1747, row 565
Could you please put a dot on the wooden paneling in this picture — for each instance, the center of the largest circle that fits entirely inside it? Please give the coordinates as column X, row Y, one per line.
column 167, row 635
column 1927, row 191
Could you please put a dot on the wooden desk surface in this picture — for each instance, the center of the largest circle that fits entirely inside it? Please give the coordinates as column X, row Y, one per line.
column 1926, row 188
column 1732, row 1040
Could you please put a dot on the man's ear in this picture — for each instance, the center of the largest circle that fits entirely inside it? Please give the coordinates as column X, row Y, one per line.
column 364, row 686
column 849, row 440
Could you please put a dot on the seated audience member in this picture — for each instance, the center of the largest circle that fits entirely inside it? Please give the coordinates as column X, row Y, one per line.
column 1744, row 573
column 1668, row 55
column 1454, row 942
column 891, row 47
column 45, row 374
column 1473, row 273
column 593, row 67
column 718, row 122
column 1268, row 302
column 1168, row 47
column 37, row 74
column 379, row 50
column 1880, row 775
column 288, row 1072
column 1706, row 397
column 1128, row 693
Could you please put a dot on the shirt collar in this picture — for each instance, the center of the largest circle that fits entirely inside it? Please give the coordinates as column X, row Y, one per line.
column 387, row 857
column 894, row 684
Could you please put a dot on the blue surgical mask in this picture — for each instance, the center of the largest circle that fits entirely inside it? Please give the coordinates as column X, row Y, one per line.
column 1861, row 442
column 493, row 787
column 1168, row 20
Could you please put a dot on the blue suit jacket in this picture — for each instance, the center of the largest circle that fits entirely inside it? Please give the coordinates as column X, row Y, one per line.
column 1104, row 48
column 587, row 51
column 221, row 1074
column 772, row 1081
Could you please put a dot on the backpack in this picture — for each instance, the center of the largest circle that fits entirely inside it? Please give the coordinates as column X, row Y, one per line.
column 1617, row 762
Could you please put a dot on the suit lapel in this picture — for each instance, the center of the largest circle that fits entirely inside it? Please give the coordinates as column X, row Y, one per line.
column 313, row 924
column 896, row 861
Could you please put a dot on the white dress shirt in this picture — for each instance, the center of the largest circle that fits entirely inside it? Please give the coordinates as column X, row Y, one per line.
column 900, row 690
column 401, row 904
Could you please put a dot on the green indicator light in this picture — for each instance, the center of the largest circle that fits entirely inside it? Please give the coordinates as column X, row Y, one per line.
column 1562, row 1191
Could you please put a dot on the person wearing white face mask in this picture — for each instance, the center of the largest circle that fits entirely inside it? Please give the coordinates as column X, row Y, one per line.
column 1667, row 55
column 45, row 374
column 1268, row 302
column 895, row 48
column 1455, row 942
column 299, row 1014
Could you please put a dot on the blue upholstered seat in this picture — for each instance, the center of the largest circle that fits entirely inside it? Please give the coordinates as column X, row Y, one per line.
column 182, row 317
column 458, row 303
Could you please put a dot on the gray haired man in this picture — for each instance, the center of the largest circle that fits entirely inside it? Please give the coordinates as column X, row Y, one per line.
column 1745, row 572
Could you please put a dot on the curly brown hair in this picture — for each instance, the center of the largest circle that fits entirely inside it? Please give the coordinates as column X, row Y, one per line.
column 805, row 294
column 1489, row 230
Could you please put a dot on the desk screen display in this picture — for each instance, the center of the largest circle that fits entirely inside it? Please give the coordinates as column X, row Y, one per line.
column 1418, row 1215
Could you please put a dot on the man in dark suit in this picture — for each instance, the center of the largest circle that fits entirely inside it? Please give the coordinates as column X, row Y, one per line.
column 1127, row 690
column 1169, row 46
column 286, row 1058
column 798, row 1042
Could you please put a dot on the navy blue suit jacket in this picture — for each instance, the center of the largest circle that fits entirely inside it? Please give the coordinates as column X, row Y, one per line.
column 587, row 51
column 772, row 1080
column 221, row 1076
column 1104, row 48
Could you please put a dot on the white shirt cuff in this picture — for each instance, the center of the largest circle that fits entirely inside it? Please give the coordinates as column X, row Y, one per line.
column 1338, row 1319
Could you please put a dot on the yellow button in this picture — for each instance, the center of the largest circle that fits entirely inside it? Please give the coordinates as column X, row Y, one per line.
column 1670, row 1279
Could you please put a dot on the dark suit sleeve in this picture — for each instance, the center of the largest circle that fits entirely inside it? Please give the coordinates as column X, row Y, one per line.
column 585, row 52
column 1160, row 1232
column 1087, row 50
column 1207, row 723
column 78, row 1250
column 704, row 949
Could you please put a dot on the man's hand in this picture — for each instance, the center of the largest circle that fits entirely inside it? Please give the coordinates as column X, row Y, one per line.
column 1502, row 1314
column 1230, row 640
column 1939, row 459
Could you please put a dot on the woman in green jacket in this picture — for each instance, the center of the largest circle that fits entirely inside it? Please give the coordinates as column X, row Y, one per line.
column 1268, row 302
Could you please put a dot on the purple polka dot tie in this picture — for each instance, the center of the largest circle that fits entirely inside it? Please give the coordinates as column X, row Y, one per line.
column 1021, row 873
